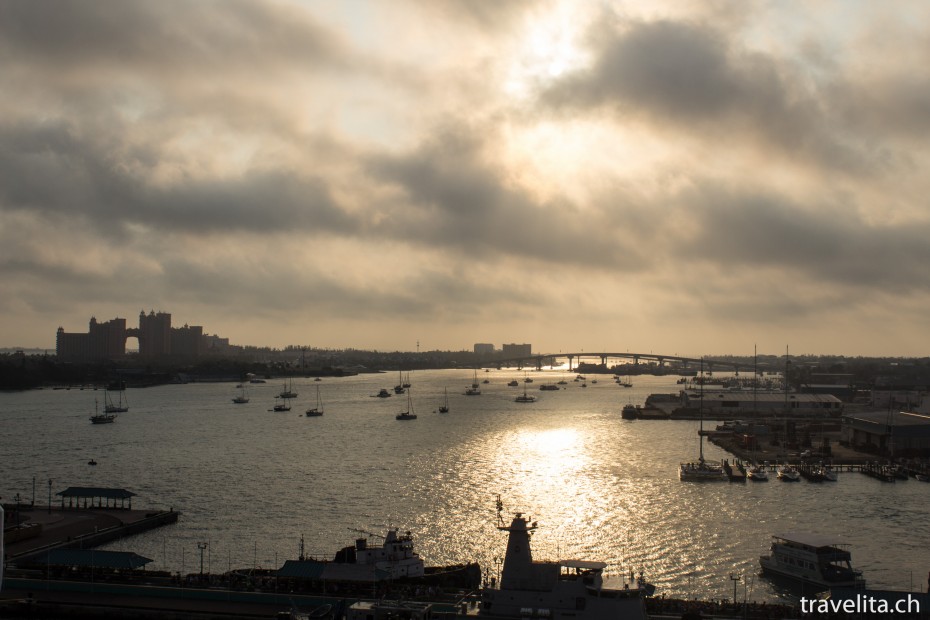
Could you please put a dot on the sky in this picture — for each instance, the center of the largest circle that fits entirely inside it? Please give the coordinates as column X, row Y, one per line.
column 690, row 178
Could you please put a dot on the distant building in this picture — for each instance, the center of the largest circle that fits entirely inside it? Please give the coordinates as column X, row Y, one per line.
column 484, row 349
column 517, row 350
column 107, row 340
column 898, row 434
column 154, row 334
column 744, row 403
column 102, row 341
column 187, row 341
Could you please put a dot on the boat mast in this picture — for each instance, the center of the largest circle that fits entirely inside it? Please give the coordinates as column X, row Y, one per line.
column 701, row 408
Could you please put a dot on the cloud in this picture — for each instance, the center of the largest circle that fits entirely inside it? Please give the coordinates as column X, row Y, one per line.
column 691, row 78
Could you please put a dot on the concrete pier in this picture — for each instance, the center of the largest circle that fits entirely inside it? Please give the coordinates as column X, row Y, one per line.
column 75, row 528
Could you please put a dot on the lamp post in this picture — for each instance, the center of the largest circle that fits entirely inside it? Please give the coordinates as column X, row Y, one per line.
column 734, row 579
column 201, row 546
column 49, row 496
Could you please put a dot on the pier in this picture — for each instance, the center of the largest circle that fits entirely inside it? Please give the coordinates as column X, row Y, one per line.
column 45, row 528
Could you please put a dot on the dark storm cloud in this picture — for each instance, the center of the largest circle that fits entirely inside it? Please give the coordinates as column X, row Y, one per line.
column 696, row 78
column 166, row 37
column 457, row 199
column 823, row 242
column 54, row 170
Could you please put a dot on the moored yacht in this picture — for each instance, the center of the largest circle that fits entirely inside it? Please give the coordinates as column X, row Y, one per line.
column 787, row 473
column 757, row 473
column 701, row 471
column 560, row 590
column 811, row 561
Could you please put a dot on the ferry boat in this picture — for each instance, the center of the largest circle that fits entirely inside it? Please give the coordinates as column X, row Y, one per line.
column 811, row 561
column 559, row 590
column 367, row 562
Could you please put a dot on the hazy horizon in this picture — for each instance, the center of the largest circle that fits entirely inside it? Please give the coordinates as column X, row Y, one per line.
column 677, row 177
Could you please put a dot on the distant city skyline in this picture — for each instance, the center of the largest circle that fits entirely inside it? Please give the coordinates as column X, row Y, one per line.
column 681, row 177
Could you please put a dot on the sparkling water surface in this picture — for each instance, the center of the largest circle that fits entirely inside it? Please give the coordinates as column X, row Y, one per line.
column 250, row 482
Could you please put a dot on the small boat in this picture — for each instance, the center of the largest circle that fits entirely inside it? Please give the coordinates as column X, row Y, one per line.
column 102, row 418
column 317, row 379
column 787, row 473
column 409, row 414
column 629, row 412
column 444, row 407
column 549, row 387
column 318, row 410
column 288, row 391
column 92, row 462
column 513, row 383
column 826, row 473
column 757, row 473
column 922, row 477
column 111, row 407
column 382, row 394
column 524, row 398
column 242, row 398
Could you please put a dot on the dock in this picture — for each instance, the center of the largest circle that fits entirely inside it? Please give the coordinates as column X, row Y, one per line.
column 45, row 528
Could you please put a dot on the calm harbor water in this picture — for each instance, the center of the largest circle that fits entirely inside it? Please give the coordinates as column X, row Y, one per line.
column 251, row 482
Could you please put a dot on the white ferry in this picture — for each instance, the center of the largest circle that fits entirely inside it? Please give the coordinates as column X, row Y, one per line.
column 811, row 560
column 561, row 590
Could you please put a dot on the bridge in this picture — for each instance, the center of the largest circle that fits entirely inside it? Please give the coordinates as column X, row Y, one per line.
column 686, row 363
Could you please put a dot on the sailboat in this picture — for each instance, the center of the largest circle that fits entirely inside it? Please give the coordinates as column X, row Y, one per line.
column 756, row 473
column 525, row 398
column 318, row 410
column 284, row 405
column 444, row 407
column 400, row 387
column 288, row 391
column 242, row 398
column 111, row 407
column 474, row 390
column 409, row 414
column 101, row 418
column 702, row 470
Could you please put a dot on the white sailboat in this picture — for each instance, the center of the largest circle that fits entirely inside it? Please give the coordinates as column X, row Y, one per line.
column 701, row 470
column 525, row 398
column 474, row 390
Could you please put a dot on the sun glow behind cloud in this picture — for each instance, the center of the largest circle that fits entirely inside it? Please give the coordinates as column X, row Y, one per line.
column 469, row 171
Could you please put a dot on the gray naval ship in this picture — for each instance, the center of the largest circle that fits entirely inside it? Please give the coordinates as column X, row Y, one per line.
column 563, row 590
